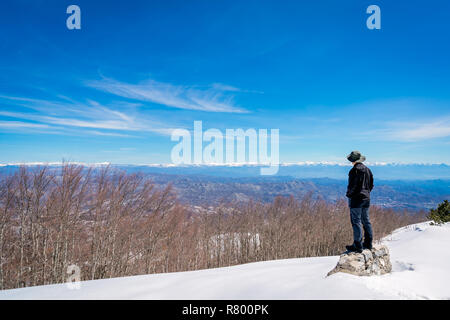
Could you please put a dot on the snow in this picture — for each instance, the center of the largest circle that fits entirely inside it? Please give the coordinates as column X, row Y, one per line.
column 227, row 164
column 419, row 254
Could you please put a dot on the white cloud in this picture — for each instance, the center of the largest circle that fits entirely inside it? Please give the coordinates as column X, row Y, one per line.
column 61, row 115
column 20, row 124
column 226, row 87
column 181, row 97
column 407, row 131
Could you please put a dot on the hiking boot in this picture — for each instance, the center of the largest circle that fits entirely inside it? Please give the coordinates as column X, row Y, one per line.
column 353, row 248
column 367, row 246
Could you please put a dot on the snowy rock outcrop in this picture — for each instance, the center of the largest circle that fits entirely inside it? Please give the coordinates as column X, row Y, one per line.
column 367, row 263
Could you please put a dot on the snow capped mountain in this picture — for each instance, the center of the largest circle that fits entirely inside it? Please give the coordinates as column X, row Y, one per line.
column 419, row 255
column 306, row 169
column 53, row 164
column 232, row 164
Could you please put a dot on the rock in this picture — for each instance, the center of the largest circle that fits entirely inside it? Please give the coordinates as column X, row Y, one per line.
column 368, row 263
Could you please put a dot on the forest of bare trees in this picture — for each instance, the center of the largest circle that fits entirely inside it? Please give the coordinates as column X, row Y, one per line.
column 113, row 224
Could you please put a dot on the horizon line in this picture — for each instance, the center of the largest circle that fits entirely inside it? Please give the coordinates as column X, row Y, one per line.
column 233, row 164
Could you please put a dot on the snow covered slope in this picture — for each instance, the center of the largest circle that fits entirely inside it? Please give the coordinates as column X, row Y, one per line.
column 419, row 255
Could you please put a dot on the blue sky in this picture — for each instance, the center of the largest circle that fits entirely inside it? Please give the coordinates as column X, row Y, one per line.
column 114, row 90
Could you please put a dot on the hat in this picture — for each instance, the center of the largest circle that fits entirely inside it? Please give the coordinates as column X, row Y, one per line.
column 356, row 156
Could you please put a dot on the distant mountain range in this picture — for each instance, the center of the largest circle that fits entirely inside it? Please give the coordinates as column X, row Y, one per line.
column 315, row 170
column 383, row 171
column 399, row 186
column 210, row 190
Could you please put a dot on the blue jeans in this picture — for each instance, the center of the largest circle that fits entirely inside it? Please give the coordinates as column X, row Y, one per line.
column 358, row 216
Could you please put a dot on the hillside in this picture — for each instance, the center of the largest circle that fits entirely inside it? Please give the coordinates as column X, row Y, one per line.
column 396, row 194
column 419, row 254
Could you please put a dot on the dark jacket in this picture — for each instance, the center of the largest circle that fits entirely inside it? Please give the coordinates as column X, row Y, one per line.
column 360, row 184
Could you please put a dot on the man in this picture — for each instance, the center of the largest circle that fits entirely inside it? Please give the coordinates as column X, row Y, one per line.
column 360, row 184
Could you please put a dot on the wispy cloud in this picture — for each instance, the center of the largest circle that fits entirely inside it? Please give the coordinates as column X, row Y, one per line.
column 20, row 124
column 63, row 115
column 416, row 131
column 225, row 87
column 109, row 134
column 211, row 99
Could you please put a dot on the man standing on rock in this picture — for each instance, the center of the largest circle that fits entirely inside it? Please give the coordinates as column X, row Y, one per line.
column 360, row 184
